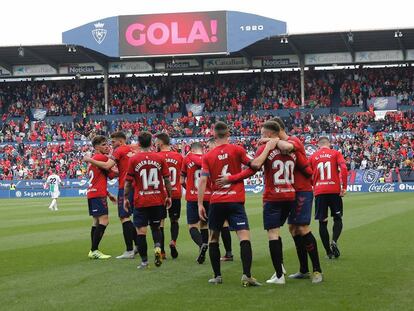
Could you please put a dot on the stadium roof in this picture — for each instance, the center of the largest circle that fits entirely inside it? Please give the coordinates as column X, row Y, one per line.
column 332, row 42
column 300, row 44
column 53, row 55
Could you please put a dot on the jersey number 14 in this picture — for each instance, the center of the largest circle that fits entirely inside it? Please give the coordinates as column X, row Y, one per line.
column 149, row 178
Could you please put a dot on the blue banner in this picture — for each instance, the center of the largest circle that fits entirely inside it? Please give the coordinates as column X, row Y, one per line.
column 196, row 109
column 41, row 193
column 382, row 187
column 38, row 114
column 37, row 184
column 383, row 103
column 250, row 189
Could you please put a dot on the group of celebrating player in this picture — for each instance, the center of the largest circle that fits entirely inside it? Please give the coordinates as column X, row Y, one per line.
column 151, row 178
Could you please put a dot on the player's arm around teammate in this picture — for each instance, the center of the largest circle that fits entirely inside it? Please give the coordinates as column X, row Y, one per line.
column 119, row 159
column 226, row 203
column 96, row 194
column 101, row 164
column 300, row 217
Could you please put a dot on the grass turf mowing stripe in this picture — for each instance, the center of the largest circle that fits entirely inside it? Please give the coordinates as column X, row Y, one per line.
column 58, row 275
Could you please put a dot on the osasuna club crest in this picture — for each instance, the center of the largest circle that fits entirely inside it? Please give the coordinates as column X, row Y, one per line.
column 99, row 33
column 370, row 176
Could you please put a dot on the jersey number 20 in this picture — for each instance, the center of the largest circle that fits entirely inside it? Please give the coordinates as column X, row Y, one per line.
column 284, row 172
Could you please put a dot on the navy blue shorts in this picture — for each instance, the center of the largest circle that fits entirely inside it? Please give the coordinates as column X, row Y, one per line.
column 234, row 213
column 324, row 202
column 301, row 213
column 175, row 210
column 98, row 206
column 150, row 215
column 275, row 214
column 192, row 211
column 121, row 212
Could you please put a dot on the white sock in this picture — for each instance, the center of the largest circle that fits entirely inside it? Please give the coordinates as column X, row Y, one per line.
column 52, row 204
column 56, row 205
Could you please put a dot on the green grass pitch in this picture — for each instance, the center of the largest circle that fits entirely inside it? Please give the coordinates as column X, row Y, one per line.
column 43, row 263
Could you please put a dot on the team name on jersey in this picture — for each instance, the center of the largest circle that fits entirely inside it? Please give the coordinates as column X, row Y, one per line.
column 147, row 162
column 276, row 152
column 324, row 155
column 223, row 156
column 173, row 161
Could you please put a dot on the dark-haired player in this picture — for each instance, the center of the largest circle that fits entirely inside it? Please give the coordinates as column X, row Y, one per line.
column 191, row 174
column 300, row 218
column 96, row 194
column 120, row 157
column 198, row 228
column 174, row 161
column 225, row 231
column 279, row 161
column 329, row 184
column 150, row 173
column 227, row 202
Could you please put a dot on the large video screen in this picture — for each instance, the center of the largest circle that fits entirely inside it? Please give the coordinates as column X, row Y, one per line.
column 172, row 34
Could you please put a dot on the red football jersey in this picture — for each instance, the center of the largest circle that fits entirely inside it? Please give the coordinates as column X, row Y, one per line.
column 278, row 175
column 329, row 171
column 225, row 160
column 192, row 171
column 148, row 170
column 121, row 156
column 174, row 161
column 302, row 182
column 98, row 186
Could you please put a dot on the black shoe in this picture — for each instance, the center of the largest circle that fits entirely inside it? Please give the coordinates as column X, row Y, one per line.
column 202, row 255
column 173, row 248
column 329, row 255
column 335, row 249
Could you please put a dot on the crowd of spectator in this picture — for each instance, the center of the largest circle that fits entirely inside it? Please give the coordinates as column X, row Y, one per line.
column 189, row 126
column 360, row 85
column 162, row 94
column 228, row 92
column 35, row 161
column 364, row 142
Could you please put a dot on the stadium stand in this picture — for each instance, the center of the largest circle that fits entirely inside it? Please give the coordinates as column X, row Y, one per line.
column 233, row 93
